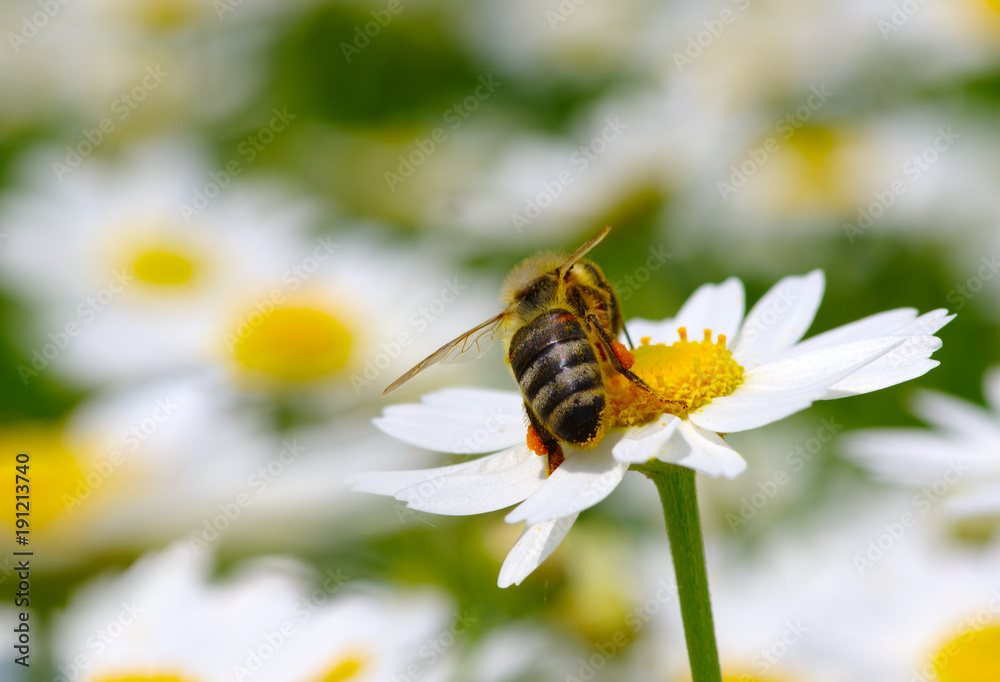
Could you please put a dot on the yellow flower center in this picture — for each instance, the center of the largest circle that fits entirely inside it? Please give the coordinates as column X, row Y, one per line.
column 346, row 668
column 163, row 268
column 52, row 470
column 972, row 657
column 684, row 375
column 293, row 343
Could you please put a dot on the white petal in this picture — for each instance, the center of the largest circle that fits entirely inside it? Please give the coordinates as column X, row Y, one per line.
column 991, row 388
column 703, row 451
column 885, row 323
column 482, row 485
column 533, row 547
column 975, row 503
column 643, row 443
column 580, row 482
column 957, row 416
column 907, row 361
column 458, row 420
column 779, row 319
column 907, row 456
column 718, row 307
column 658, row 331
column 781, row 388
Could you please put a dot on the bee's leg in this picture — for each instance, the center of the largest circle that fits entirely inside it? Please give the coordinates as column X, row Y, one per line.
column 542, row 442
column 622, row 360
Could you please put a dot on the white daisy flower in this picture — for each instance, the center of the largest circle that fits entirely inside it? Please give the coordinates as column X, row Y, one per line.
column 135, row 468
column 899, row 604
column 115, row 65
column 958, row 462
column 797, row 607
column 756, row 371
column 118, row 472
column 130, row 284
column 164, row 619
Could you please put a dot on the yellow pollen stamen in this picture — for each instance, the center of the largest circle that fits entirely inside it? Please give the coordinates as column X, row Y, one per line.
column 685, row 376
column 972, row 657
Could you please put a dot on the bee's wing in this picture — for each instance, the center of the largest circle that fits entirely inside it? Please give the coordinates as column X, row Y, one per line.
column 471, row 345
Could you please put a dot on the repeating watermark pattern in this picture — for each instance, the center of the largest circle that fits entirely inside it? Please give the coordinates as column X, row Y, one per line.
column 418, row 322
column 757, row 156
column 434, row 649
column 891, row 533
column 363, row 36
column 453, row 117
column 471, row 441
column 224, row 7
column 768, row 656
column 272, row 641
column 99, row 641
column 86, row 312
column 257, row 484
column 628, row 285
column 121, row 108
column 293, row 278
column 964, row 292
column 34, row 23
column 247, row 151
column 796, row 460
column 698, row 43
column 910, row 172
column 982, row 618
column 900, row 15
column 563, row 12
column 131, row 439
column 635, row 620
column 581, row 159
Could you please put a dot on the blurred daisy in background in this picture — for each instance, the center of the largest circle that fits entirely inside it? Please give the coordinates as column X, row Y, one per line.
column 800, row 606
column 119, row 472
column 134, row 468
column 957, row 462
column 766, row 376
column 164, row 618
column 141, row 258
column 904, row 603
column 116, row 66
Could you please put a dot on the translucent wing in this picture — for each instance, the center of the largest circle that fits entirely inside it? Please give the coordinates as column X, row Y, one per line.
column 471, row 345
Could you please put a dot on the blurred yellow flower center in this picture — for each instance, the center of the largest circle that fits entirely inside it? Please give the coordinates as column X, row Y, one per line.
column 685, row 375
column 163, row 15
column 346, row 668
column 163, row 268
column 293, row 343
column 53, row 474
column 145, row 678
column 973, row 657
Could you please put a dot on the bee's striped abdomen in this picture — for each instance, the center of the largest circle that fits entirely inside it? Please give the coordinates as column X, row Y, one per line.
column 559, row 376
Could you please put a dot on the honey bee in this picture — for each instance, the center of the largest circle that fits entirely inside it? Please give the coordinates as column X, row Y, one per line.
column 560, row 326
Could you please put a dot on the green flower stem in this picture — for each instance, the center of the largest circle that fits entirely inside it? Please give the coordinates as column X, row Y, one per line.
column 680, row 508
